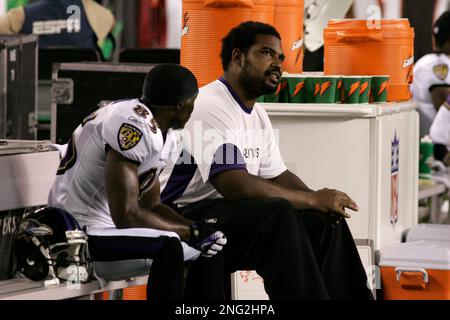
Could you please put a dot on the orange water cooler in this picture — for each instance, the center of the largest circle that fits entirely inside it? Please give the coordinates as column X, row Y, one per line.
column 359, row 47
column 206, row 22
column 416, row 270
column 288, row 20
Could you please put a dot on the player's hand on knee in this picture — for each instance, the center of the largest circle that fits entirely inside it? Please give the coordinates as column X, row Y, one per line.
column 330, row 200
column 206, row 239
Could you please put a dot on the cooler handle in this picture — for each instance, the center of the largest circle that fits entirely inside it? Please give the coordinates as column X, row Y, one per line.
column 228, row 3
column 411, row 271
column 359, row 36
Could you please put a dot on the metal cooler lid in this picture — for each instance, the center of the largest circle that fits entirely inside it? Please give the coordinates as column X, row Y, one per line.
column 112, row 67
column 417, row 254
column 16, row 39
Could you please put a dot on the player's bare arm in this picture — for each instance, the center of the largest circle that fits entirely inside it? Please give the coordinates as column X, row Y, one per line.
column 250, row 186
column 438, row 95
column 291, row 181
column 127, row 211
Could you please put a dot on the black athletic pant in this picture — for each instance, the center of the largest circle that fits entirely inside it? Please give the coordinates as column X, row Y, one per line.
column 299, row 254
column 166, row 279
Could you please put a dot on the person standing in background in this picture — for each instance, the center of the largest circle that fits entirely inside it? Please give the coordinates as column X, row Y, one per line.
column 72, row 23
column 440, row 133
column 431, row 84
column 317, row 14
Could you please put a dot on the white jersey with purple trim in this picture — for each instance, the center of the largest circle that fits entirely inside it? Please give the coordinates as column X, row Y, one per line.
column 440, row 129
column 222, row 134
column 431, row 70
column 127, row 127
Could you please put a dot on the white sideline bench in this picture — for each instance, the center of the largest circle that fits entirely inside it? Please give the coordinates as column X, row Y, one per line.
column 25, row 289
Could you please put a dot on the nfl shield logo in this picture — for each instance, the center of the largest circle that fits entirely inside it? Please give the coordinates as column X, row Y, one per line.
column 395, row 144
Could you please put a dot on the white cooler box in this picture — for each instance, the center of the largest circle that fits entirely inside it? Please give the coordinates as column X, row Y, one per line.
column 27, row 172
column 369, row 151
column 417, row 270
column 425, row 231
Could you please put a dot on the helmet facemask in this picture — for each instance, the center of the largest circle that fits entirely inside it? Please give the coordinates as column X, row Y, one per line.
column 70, row 259
column 50, row 245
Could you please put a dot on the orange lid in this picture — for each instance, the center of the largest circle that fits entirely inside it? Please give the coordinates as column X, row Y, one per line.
column 292, row 3
column 362, row 23
column 389, row 28
column 232, row 3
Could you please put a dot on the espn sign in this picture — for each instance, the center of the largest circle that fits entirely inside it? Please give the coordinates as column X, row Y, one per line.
column 56, row 26
column 71, row 25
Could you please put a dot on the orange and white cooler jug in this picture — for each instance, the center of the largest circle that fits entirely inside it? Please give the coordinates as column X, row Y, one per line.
column 360, row 47
column 206, row 22
column 417, row 270
column 288, row 20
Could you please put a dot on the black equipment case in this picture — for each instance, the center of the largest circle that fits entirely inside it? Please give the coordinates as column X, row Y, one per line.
column 78, row 89
column 18, row 90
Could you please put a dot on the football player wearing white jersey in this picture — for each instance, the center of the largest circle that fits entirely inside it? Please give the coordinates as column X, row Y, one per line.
column 440, row 133
column 108, row 180
column 230, row 173
column 431, row 83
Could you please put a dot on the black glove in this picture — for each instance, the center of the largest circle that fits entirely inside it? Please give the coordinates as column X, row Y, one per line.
column 206, row 239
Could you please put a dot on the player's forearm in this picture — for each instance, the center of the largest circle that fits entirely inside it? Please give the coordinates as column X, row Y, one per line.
column 290, row 181
column 171, row 215
column 257, row 187
column 158, row 217
column 439, row 95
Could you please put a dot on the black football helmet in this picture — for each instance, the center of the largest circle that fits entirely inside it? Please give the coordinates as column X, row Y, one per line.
column 49, row 243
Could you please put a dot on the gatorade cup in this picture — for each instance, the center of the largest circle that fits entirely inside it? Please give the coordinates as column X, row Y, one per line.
column 325, row 89
column 351, row 89
column 296, row 88
column 261, row 99
column 364, row 90
column 425, row 158
column 284, row 90
column 338, row 93
column 380, row 88
column 310, row 83
column 279, row 95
